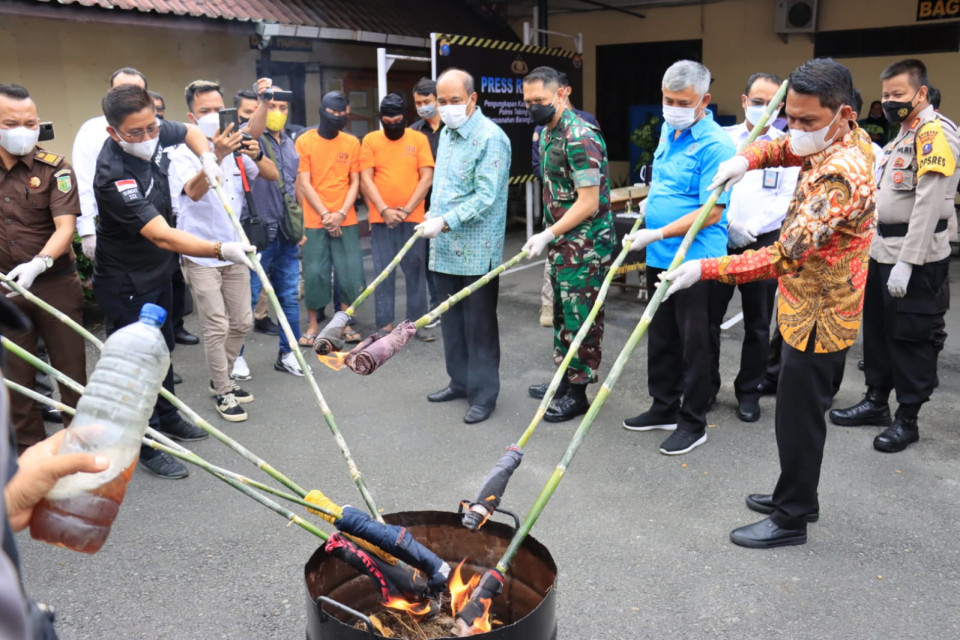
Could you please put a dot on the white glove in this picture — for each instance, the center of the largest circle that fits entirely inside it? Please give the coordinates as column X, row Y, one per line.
column 643, row 237
column 211, row 168
column 24, row 274
column 740, row 235
column 538, row 242
column 237, row 252
column 730, row 172
column 898, row 280
column 684, row 276
column 431, row 227
column 88, row 244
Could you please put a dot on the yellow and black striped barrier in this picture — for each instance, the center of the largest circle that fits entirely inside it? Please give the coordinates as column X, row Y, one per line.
column 503, row 45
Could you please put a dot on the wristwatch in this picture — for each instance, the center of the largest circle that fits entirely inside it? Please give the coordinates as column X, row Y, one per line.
column 47, row 260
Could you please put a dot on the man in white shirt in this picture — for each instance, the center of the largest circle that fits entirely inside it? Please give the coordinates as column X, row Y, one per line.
column 221, row 290
column 758, row 204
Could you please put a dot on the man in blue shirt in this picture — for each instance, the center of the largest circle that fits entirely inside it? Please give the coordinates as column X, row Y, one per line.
column 691, row 147
column 468, row 212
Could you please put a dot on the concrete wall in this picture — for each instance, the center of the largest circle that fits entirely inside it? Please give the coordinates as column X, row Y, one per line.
column 738, row 40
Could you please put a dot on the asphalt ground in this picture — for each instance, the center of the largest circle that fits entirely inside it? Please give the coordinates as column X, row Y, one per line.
column 641, row 539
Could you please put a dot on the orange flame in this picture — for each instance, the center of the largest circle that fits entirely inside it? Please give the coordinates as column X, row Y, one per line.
column 410, row 607
column 335, row 360
column 460, row 593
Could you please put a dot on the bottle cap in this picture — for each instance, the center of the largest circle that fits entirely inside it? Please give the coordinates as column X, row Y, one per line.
column 153, row 314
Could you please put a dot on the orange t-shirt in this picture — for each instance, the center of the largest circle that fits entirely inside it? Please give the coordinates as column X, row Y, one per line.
column 330, row 163
column 396, row 168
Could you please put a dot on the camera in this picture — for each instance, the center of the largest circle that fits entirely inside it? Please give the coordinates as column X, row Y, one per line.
column 276, row 94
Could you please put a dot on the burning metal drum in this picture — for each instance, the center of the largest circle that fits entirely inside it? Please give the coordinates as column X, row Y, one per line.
column 526, row 608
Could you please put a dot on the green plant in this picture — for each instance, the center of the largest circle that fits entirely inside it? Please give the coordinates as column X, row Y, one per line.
column 646, row 137
column 84, row 268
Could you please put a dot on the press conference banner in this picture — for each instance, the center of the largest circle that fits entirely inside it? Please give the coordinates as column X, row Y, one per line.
column 498, row 68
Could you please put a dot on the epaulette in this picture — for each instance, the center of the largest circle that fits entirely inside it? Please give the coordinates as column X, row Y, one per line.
column 46, row 157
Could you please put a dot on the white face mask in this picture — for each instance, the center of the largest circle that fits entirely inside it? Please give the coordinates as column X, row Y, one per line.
column 680, row 118
column 806, row 143
column 209, row 124
column 755, row 111
column 453, row 115
column 19, row 141
column 143, row 150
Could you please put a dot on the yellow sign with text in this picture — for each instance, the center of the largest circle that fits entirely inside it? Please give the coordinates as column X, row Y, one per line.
column 938, row 9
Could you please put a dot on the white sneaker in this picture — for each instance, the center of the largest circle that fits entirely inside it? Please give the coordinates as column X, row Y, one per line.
column 240, row 370
column 287, row 363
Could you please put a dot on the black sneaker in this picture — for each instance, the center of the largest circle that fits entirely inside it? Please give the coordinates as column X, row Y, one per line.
column 266, row 326
column 229, row 409
column 183, row 431
column 681, row 442
column 649, row 421
column 161, row 464
column 242, row 396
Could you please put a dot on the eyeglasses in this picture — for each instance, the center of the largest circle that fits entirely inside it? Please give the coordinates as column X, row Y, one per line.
column 138, row 135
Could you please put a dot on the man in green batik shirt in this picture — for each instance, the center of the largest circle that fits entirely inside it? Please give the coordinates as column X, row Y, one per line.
column 580, row 234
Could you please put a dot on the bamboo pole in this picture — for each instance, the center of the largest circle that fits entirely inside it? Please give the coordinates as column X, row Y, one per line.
column 307, row 375
column 444, row 306
column 587, row 422
column 39, row 397
column 383, row 274
column 181, row 406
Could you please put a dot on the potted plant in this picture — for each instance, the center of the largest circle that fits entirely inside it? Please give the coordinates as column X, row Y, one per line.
column 646, row 137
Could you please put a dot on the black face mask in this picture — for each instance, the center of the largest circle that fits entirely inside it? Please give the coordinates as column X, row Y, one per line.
column 897, row 112
column 330, row 124
column 542, row 114
column 394, row 130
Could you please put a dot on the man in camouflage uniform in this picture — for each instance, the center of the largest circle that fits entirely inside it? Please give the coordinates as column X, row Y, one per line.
column 908, row 280
column 576, row 199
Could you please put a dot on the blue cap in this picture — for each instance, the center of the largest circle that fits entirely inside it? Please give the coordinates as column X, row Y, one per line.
column 153, row 314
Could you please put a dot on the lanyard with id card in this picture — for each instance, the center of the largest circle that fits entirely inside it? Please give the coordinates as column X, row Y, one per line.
column 771, row 178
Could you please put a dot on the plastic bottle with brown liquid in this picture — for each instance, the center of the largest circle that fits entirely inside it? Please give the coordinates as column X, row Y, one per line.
column 111, row 419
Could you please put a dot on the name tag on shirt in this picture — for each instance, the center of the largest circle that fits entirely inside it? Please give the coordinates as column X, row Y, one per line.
column 771, row 179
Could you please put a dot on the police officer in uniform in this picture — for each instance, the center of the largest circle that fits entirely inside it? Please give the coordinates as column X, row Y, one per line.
column 136, row 245
column 580, row 232
column 908, row 284
column 39, row 206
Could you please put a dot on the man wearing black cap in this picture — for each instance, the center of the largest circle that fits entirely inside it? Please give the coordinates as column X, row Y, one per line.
column 396, row 171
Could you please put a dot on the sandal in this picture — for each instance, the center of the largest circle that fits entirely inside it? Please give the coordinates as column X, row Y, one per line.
column 307, row 339
column 350, row 336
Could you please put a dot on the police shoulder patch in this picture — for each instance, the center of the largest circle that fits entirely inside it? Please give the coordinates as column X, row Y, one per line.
column 46, row 157
column 934, row 152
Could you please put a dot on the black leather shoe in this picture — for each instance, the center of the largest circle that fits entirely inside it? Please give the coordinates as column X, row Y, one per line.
column 767, row 388
column 162, row 465
column 477, row 413
column 763, row 503
column 267, row 326
column 766, row 534
column 176, row 378
column 183, row 431
column 185, row 337
column 898, row 437
column 539, row 390
column 872, row 410
column 50, row 414
column 446, row 395
column 566, row 408
column 748, row 410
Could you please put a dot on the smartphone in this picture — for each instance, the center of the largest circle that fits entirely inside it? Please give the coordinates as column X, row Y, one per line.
column 228, row 116
column 46, row 131
column 279, row 96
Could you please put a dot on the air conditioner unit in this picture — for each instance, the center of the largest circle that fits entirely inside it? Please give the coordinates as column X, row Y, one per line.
column 795, row 16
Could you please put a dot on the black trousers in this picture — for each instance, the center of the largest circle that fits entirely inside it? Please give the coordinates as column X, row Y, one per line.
column 121, row 306
column 678, row 354
column 178, row 306
column 471, row 339
column 808, row 382
column 902, row 337
column 757, row 299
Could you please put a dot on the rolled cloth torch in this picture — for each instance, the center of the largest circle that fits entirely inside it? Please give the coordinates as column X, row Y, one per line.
column 308, row 378
column 480, row 599
column 369, row 355
column 495, row 484
column 330, row 337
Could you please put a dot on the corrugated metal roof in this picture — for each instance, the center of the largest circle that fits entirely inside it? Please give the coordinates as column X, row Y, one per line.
column 415, row 18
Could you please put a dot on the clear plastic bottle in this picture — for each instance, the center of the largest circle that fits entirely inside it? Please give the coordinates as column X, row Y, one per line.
column 111, row 419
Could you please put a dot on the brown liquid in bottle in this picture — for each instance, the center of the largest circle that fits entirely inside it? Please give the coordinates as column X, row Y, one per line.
column 81, row 522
